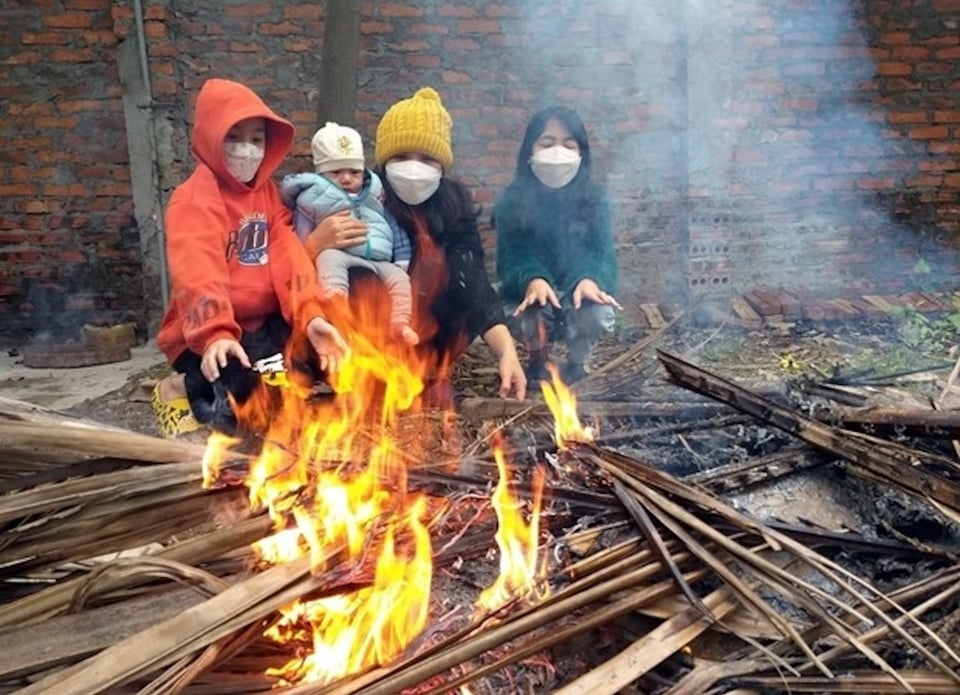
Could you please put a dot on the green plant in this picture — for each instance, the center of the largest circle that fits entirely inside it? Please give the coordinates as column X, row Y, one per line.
column 934, row 333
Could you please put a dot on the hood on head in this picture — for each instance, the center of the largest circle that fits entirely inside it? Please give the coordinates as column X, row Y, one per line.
column 222, row 104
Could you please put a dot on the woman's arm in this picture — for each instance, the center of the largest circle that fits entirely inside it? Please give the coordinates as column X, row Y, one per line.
column 512, row 379
column 337, row 231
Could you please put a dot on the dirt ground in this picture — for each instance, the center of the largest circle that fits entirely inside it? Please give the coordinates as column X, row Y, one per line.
column 867, row 347
column 769, row 357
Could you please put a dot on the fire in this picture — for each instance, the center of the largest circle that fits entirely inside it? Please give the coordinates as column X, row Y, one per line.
column 517, row 540
column 334, row 484
column 563, row 405
column 372, row 625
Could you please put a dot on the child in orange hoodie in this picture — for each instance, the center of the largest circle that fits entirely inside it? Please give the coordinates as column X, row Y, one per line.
column 242, row 282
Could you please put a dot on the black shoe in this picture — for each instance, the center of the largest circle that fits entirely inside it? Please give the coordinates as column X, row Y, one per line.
column 572, row 372
column 536, row 371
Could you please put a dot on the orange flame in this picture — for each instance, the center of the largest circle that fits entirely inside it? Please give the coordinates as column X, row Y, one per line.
column 332, row 479
column 563, row 405
column 517, row 540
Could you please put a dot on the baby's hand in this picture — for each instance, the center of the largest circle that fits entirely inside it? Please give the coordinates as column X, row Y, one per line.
column 331, row 348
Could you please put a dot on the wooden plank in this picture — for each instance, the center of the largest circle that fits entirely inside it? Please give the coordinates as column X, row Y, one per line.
column 651, row 312
column 844, row 308
column 815, row 312
column 743, row 311
column 68, row 638
column 863, row 306
column 880, row 302
column 790, row 305
column 762, row 302
column 653, row 648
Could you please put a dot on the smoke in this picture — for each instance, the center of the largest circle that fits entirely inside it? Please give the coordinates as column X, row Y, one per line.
column 741, row 141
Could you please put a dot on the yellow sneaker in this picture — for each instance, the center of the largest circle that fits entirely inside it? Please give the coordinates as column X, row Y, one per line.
column 174, row 417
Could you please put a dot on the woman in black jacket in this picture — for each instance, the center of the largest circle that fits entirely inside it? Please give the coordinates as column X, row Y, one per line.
column 453, row 299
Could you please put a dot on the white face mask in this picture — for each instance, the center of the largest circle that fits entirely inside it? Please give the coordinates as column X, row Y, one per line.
column 412, row 180
column 243, row 159
column 555, row 166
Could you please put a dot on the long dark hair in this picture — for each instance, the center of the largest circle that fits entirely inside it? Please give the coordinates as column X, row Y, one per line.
column 443, row 212
column 578, row 198
column 535, row 127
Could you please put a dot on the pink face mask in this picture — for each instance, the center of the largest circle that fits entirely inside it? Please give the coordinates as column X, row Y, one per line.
column 242, row 159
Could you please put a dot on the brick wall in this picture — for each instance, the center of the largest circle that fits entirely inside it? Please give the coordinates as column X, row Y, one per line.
column 790, row 143
column 69, row 249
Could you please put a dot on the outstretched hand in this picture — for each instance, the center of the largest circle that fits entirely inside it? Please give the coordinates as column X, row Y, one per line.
column 216, row 355
column 538, row 292
column 331, row 348
column 588, row 289
column 512, row 379
column 338, row 231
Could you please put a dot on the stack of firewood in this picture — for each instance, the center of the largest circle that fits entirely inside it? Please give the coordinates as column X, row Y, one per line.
column 121, row 573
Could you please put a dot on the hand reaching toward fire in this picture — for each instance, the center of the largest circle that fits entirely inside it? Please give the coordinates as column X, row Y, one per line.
column 512, row 379
column 216, row 355
column 588, row 289
column 338, row 231
column 538, row 292
column 331, row 348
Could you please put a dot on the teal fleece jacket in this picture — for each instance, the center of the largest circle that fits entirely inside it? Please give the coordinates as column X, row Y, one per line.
column 555, row 235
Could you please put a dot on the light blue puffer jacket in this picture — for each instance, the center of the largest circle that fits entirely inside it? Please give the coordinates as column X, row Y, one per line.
column 313, row 197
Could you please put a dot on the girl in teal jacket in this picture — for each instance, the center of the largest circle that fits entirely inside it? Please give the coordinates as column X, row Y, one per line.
column 555, row 255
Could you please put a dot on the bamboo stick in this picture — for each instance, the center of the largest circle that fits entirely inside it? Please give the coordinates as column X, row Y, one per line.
column 650, row 650
column 55, row 599
column 198, row 626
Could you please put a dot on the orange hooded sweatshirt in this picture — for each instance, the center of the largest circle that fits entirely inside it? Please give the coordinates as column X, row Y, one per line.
column 233, row 256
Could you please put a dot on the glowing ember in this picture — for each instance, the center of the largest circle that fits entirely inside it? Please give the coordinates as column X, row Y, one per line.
column 563, row 405
column 517, row 541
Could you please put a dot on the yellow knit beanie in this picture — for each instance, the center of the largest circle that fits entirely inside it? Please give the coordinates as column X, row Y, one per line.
column 418, row 124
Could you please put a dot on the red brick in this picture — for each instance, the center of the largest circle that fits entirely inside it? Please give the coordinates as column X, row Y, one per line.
column 247, row 10
column 886, row 68
column 951, row 53
column 306, row 11
column 454, row 77
column 84, row 4
column 910, row 53
column 68, row 20
column 398, row 10
column 22, row 58
column 451, row 10
column 14, row 189
column 278, row 28
column 946, row 116
column 924, row 181
column 943, row 147
column 478, row 26
column 72, row 55
column 45, row 38
column 899, row 38
column 933, row 132
column 65, row 190
column 909, row 117
column 155, row 30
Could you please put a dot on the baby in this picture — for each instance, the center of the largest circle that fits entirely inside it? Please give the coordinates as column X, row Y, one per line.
column 342, row 182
